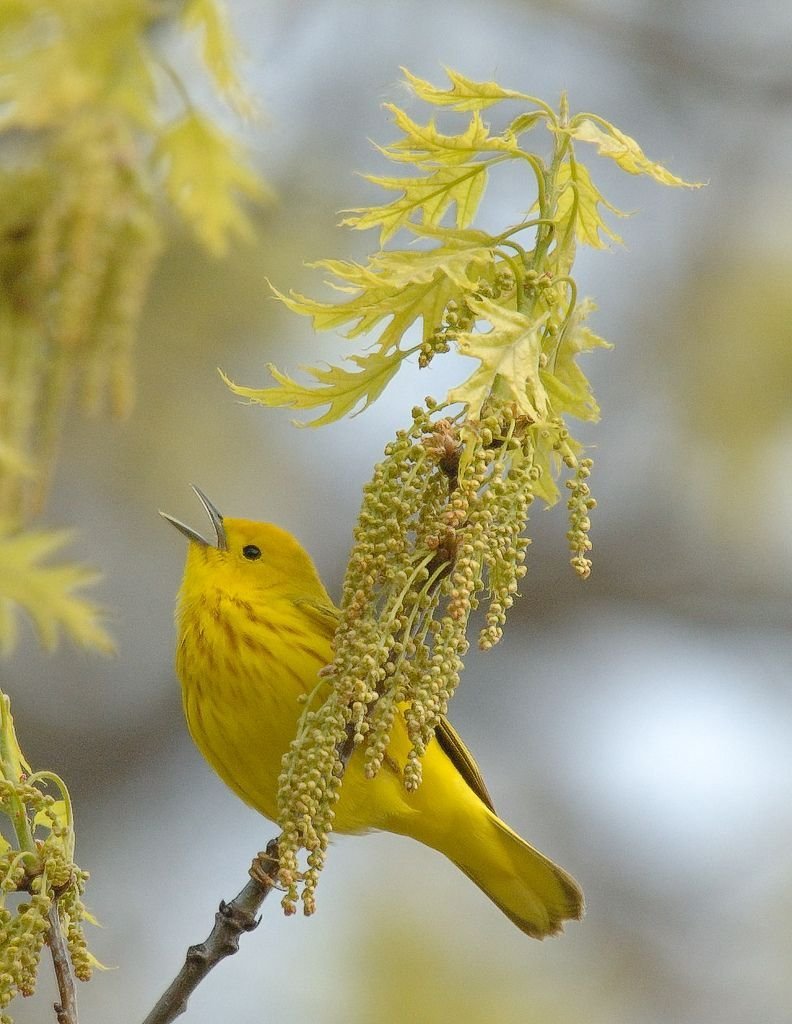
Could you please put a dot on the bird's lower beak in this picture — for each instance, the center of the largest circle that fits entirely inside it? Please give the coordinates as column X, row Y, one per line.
column 215, row 517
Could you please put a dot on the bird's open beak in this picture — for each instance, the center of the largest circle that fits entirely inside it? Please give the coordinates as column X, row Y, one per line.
column 214, row 515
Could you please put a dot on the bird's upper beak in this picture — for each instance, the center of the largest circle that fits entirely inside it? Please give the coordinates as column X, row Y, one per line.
column 214, row 515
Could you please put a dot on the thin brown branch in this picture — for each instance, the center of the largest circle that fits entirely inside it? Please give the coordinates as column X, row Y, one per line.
column 66, row 1009
column 231, row 920
column 347, row 747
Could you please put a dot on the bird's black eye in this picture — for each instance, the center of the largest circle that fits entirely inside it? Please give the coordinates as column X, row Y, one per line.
column 251, row 551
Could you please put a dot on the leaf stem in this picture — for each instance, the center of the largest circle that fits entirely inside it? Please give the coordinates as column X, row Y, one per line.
column 539, row 172
column 57, row 781
column 521, row 227
column 548, row 198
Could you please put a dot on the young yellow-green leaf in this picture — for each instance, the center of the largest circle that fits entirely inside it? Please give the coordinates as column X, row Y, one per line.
column 624, row 150
column 548, row 461
column 461, row 264
column 342, row 390
column 13, row 764
column 426, row 198
column 567, row 386
column 403, row 286
column 572, row 396
column 576, row 183
column 524, row 123
column 509, row 356
column 456, row 238
column 464, row 94
column 327, row 316
column 423, row 143
column 374, row 305
column 46, row 592
column 204, row 176
column 219, row 48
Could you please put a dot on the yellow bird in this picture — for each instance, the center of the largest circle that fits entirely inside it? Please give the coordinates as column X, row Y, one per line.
column 255, row 626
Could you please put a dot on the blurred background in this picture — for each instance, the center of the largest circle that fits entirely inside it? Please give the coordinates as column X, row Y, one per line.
column 634, row 727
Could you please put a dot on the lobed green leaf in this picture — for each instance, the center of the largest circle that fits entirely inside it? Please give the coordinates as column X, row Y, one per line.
column 509, row 356
column 341, row 390
column 204, row 178
column 404, row 286
column 425, row 199
column 425, row 144
column 46, row 592
column 219, row 47
column 465, row 93
column 580, row 198
column 623, row 149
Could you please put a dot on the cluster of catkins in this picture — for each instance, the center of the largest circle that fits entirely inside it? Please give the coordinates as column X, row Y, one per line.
column 78, row 239
column 441, row 525
column 97, row 243
column 43, row 876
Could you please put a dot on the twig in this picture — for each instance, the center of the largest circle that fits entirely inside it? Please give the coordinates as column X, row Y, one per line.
column 66, row 1009
column 347, row 746
column 231, row 920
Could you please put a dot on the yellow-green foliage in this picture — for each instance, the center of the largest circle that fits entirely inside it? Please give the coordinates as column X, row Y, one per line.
column 98, row 136
column 39, row 863
column 46, row 592
column 513, row 309
column 442, row 522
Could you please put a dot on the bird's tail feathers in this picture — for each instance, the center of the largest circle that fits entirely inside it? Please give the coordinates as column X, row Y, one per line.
column 533, row 892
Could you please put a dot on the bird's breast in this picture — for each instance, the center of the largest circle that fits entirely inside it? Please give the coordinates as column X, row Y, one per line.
column 243, row 667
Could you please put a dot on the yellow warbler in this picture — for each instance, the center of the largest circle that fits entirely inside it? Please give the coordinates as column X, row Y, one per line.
column 255, row 626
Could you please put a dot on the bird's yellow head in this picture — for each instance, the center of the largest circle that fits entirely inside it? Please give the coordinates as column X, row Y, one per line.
column 246, row 559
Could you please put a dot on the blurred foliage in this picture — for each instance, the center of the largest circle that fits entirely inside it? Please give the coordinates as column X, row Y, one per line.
column 407, row 974
column 91, row 154
column 46, row 592
column 738, row 364
column 92, row 158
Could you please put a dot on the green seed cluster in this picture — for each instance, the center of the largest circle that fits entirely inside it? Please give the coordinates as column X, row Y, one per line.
column 503, row 515
column 457, row 318
column 440, row 526
column 22, row 936
column 309, row 788
column 81, row 959
column 580, row 504
column 93, row 251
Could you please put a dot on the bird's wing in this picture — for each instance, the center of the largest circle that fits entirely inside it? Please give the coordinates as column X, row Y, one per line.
column 461, row 758
column 325, row 617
